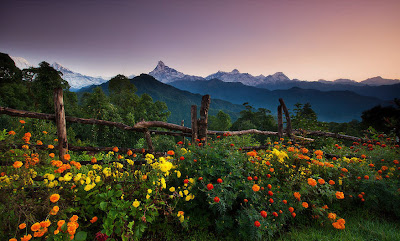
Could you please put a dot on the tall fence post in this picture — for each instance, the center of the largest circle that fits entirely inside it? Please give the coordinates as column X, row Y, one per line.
column 203, row 121
column 61, row 123
column 280, row 122
column 288, row 121
column 193, row 113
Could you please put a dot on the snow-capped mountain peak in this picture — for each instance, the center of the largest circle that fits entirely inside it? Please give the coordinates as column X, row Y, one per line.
column 166, row 74
column 77, row 80
column 21, row 63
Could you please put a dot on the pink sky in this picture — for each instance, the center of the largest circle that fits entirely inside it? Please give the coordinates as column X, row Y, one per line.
column 307, row 40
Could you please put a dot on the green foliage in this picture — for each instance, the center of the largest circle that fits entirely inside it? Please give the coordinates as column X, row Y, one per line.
column 220, row 122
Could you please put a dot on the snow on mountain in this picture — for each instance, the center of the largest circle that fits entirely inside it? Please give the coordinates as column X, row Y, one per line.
column 166, row 74
column 277, row 77
column 77, row 80
column 21, row 63
column 380, row 81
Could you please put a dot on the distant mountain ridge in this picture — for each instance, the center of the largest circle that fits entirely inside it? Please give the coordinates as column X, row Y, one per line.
column 337, row 106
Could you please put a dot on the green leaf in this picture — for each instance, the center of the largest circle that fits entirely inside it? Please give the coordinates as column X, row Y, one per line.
column 130, row 225
column 81, row 236
column 103, row 206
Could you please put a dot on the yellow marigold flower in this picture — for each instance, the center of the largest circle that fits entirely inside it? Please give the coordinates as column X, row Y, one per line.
column 17, row 164
column 339, row 195
column 149, row 190
column 35, row 227
column 178, row 174
column 186, row 192
column 172, row 189
column 22, row 226
column 136, row 203
column 256, row 188
column 147, row 196
column 54, row 198
column 97, row 179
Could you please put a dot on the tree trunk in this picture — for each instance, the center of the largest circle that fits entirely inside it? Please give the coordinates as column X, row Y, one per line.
column 61, row 123
column 203, row 121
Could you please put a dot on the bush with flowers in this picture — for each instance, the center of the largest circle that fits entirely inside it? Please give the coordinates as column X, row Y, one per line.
column 216, row 188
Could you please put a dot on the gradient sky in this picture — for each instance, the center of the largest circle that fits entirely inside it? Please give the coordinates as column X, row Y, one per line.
column 307, row 40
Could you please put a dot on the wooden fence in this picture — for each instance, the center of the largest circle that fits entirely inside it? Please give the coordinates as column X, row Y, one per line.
column 198, row 131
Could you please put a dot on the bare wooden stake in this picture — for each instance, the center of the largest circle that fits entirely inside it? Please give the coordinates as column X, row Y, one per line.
column 193, row 112
column 288, row 122
column 183, row 124
column 280, row 122
column 148, row 140
column 203, row 121
column 61, row 123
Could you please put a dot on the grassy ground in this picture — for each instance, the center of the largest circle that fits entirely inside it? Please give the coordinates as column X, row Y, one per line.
column 360, row 225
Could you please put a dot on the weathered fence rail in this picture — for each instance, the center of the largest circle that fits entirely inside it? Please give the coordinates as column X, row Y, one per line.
column 198, row 131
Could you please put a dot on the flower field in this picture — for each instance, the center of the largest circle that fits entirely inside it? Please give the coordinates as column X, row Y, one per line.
column 216, row 188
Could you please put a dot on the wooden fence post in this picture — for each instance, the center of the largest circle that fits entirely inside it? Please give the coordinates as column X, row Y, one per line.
column 288, row 122
column 148, row 140
column 183, row 137
column 193, row 112
column 61, row 123
column 203, row 121
column 280, row 122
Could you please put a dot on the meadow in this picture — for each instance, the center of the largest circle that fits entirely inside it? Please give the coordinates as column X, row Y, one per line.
column 287, row 191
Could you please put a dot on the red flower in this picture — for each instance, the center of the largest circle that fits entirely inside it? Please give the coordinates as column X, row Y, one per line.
column 180, row 142
column 269, row 186
column 210, row 186
column 182, row 158
column 245, row 200
column 270, row 193
column 271, row 200
column 200, row 178
column 219, row 180
column 257, row 224
column 275, row 214
column 216, row 199
column 291, row 209
column 186, row 181
column 268, row 175
column 263, row 214
column 255, row 178
column 249, row 178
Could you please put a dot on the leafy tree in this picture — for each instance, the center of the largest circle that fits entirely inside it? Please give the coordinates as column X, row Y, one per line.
column 9, row 73
column 304, row 117
column 261, row 119
column 220, row 122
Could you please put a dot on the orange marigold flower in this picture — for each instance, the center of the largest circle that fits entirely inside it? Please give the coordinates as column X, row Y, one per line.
column 94, row 219
column 271, row 169
column 319, row 157
column 256, row 188
column 293, row 214
column 325, row 207
column 331, row 182
column 318, row 153
column 396, row 162
column 252, row 153
column 304, row 204
column 297, row 195
column 304, row 151
column 321, row 181
column 52, row 155
column 22, row 121
column 60, row 223
column 12, row 239
column 39, row 143
column 22, row 226
column 74, row 218
column 384, row 168
column 339, row 195
column 344, row 170
column 54, row 198
column 291, row 209
column 55, row 210
column 26, row 147
column 332, row 216
column 50, row 146
column 115, row 149
column 35, row 227
column 339, row 224
column 67, row 157
column 363, row 156
column 311, row 182
column 26, row 237
column 45, row 224
column 93, row 160
column 129, row 153
column 17, row 164
column 11, row 133
column 366, row 177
